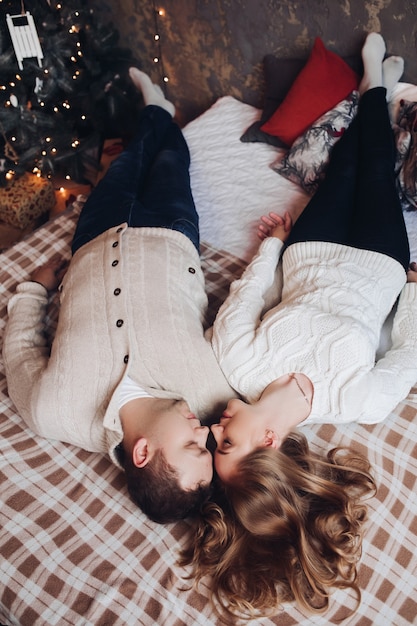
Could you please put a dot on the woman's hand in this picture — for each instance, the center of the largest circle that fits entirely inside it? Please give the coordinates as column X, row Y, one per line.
column 412, row 273
column 274, row 225
column 51, row 273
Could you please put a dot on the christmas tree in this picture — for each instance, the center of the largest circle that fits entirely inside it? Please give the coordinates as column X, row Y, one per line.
column 61, row 97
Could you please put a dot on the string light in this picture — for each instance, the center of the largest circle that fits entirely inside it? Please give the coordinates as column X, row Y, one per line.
column 158, row 59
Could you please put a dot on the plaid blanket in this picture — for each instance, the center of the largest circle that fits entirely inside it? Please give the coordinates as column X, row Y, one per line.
column 75, row 550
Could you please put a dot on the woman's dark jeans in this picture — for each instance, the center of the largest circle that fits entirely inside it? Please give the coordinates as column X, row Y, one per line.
column 357, row 204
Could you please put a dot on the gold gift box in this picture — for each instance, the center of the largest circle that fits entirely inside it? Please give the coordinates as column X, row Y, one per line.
column 25, row 199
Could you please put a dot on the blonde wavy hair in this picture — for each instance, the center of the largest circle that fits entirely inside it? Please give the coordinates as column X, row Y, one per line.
column 288, row 528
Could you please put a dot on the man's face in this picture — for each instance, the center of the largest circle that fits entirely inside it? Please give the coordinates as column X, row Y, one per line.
column 183, row 440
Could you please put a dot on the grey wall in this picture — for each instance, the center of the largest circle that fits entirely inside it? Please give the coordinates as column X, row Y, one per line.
column 212, row 48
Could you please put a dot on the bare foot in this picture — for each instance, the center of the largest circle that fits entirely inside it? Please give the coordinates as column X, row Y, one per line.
column 152, row 94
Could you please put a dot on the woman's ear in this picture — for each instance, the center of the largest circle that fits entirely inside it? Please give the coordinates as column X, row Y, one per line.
column 141, row 454
column 271, row 440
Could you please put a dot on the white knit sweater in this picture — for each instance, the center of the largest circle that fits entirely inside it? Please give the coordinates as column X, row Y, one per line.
column 325, row 323
column 132, row 302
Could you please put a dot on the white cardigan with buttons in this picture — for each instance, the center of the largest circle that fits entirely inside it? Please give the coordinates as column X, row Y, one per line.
column 133, row 300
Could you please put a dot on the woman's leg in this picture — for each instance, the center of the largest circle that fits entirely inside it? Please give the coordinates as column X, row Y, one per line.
column 327, row 216
column 114, row 200
column 378, row 223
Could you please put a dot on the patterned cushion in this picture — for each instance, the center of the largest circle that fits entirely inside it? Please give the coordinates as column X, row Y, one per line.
column 305, row 163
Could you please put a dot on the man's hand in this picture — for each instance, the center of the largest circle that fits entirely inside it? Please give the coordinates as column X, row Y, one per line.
column 412, row 273
column 51, row 273
column 274, row 225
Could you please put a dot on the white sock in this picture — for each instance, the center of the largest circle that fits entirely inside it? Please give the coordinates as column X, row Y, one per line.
column 373, row 53
column 152, row 94
column 392, row 70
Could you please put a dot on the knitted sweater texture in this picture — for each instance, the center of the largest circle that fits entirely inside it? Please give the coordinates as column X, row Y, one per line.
column 325, row 321
column 133, row 301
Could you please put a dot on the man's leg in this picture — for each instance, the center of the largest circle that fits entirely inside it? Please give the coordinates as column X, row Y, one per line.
column 166, row 200
column 115, row 198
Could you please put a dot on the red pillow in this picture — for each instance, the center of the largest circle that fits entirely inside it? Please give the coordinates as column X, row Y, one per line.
column 324, row 81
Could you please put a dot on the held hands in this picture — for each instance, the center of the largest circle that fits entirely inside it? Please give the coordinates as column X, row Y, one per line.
column 51, row 273
column 274, row 225
column 412, row 273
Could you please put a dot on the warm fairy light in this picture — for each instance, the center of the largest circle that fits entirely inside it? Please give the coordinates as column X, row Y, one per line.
column 160, row 12
column 9, row 175
column 68, row 177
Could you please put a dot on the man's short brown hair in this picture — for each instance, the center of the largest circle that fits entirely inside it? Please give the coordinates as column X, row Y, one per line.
column 156, row 490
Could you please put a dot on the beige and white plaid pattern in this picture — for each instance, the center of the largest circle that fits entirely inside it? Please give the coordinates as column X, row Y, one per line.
column 75, row 551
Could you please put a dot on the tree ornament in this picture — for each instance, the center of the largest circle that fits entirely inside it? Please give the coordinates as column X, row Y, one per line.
column 24, row 37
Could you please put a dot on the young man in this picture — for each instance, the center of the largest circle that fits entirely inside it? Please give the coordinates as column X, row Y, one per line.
column 129, row 366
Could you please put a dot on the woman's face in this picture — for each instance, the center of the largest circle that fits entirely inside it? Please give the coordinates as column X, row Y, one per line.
column 245, row 427
column 237, row 434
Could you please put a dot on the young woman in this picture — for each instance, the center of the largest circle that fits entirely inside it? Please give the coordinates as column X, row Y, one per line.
column 291, row 524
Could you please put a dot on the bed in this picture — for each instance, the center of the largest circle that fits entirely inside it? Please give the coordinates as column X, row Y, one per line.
column 75, row 550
